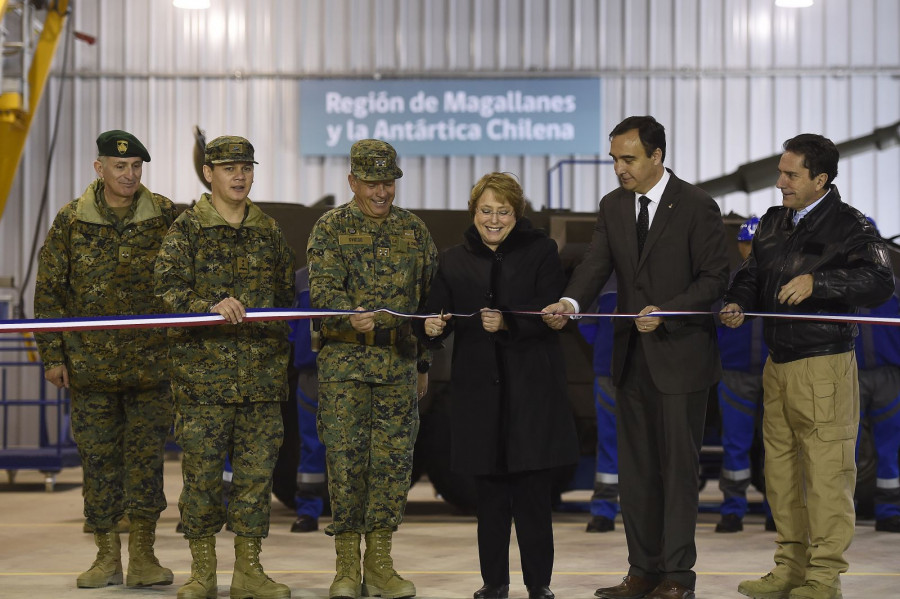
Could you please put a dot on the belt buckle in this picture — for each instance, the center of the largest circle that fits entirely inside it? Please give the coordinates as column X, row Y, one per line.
column 382, row 337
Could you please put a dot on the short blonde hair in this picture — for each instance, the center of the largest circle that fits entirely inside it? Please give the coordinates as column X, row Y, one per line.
column 504, row 186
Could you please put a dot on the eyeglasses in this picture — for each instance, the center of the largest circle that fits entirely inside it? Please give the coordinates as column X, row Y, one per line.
column 488, row 213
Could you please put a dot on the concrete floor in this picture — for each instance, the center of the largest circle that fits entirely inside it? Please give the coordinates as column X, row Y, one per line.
column 43, row 549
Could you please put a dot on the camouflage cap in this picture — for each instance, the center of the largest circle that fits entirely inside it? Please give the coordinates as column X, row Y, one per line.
column 228, row 148
column 121, row 144
column 374, row 160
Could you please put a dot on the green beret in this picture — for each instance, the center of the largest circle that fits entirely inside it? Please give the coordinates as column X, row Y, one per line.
column 228, row 148
column 374, row 160
column 121, row 144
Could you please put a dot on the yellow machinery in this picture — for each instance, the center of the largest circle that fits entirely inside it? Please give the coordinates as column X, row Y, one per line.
column 20, row 92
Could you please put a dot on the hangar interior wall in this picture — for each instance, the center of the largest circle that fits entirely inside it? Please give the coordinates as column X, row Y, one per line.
column 730, row 79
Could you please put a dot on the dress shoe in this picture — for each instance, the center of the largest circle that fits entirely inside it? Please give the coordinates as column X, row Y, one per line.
column 770, row 524
column 730, row 523
column 305, row 523
column 632, row 587
column 540, row 593
column 891, row 524
column 492, row 591
column 669, row 589
column 601, row 524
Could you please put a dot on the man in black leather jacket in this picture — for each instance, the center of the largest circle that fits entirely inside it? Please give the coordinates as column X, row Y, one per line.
column 812, row 255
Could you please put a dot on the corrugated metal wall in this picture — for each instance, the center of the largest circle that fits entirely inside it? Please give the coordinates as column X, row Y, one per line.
column 731, row 79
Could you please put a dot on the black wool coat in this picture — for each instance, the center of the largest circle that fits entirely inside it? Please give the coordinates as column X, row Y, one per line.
column 509, row 411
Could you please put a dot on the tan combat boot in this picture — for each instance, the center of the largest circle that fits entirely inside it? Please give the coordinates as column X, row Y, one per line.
column 202, row 583
column 767, row 587
column 348, row 577
column 813, row 589
column 249, row 580
column 143, row 567
column 379, row 577
column 107, row 567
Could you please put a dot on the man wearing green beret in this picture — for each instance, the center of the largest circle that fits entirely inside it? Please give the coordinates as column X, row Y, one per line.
column 98, row 260
column 225, row 255
column 364, row 255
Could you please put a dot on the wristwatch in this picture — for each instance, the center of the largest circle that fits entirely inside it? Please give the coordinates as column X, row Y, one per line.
column 422, row 366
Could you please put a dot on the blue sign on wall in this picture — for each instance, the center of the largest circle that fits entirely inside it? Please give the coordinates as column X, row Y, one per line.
column 451, row 117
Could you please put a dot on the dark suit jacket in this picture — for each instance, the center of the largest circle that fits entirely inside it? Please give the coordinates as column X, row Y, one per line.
column 684, row 267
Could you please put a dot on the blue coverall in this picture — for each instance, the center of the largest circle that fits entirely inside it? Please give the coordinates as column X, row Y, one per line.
column 743, row 353
column 311, row 471
column 599, row 333
column 878, row 359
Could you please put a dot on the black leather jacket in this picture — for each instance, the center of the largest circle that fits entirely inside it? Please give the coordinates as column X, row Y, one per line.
column 850, row 268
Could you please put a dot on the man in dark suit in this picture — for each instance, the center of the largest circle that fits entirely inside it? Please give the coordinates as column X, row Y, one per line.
column 665, row 240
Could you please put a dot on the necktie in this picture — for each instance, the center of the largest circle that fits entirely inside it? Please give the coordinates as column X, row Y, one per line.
column 643, row 223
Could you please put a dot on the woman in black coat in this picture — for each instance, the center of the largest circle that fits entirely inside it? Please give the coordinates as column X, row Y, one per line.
column 510, row 420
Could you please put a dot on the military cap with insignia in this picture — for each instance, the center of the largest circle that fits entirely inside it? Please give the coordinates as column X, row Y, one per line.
column 121, row 144
column 228, row 148
column 374, row 160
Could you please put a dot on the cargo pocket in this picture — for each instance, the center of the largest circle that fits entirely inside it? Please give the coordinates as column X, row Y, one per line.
column 823, row 401
column 837, row 448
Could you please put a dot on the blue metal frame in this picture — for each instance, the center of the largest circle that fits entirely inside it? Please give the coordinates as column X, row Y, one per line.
column 48, row 457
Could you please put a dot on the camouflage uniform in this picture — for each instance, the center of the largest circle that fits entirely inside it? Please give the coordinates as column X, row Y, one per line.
column 228, row 379
column 93, row 264
column 368, row 416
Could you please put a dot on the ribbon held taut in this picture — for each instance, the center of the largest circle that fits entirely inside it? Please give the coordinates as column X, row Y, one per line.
column 94, row 323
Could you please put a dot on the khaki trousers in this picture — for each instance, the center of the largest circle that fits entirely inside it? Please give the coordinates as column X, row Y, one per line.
column 810, row 423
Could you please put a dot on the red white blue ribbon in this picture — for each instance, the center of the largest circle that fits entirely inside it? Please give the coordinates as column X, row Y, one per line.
column 94, row 323
column 103, row 323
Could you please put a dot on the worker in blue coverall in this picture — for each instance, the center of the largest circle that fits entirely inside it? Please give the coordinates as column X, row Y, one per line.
column 743, row 353
column 878, row 360
column 599, row 333
column 311, row 484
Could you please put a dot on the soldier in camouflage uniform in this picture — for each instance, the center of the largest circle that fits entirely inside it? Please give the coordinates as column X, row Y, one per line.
column 98, row 260
column 363, row 255
column 222, row 255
